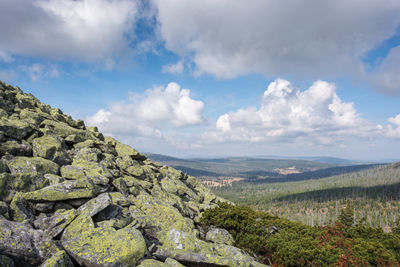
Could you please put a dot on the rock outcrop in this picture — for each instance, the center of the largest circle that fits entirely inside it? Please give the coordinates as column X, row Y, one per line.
column 70, row 196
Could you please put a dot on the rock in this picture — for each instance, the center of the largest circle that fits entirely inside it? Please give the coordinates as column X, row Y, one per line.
column 52, row 148
column 3, row 209
column 173, row 263
column 72, row 172
column 59, row 259
column 6, row 261
column 16, row 129
column 20, row 210
column 23, row 244
column 73, row 139
column 102, row 246
column 6, row 193
column 221, row 236
column 82, row 188
column 28, row 173
column 95, row 205
column 63, row 130
column 118, row 199
column 15, row 148
column 3, row 166
column 126, row 151
column 53, row 179
column 55, row 224
column 152, row 263
column 44, row 207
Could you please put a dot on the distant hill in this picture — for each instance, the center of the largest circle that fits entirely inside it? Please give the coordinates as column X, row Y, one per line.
column 245, row 167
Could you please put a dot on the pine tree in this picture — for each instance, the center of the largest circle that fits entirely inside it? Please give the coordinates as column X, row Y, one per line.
column 346, row 216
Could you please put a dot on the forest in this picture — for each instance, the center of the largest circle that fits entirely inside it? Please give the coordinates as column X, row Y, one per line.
column 373, row 192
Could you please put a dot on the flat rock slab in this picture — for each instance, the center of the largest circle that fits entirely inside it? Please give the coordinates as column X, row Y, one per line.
column 103, row 246
column 75, row 189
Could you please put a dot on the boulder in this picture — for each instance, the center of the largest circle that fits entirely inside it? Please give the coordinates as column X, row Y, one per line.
column 20, row 210
column 28, row 173
column 6, row 261
column 16, row 129
column 25, row 245
column 102, row 246
column 15, row 148
column 221, row 236
column 55, row 224
column 127, row 151
column 152, row 263
column 59, row 259
column 82, row 188
column 52, row 148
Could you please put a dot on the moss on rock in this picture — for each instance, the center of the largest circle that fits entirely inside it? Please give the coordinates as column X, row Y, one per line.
column 52, row 148
column 103, row 246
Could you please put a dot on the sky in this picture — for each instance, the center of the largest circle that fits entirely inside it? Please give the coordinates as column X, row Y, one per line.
column 216, row 78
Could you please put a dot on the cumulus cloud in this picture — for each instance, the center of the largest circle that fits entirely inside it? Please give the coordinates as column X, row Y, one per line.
column 393, row 131
column 387, row 77
column 86, row 30
column 228, row 38
column 176, row 68
column 287, row 113
column 148, row 114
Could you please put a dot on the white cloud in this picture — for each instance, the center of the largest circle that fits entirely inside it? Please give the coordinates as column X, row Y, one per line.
column 37, row 71
column 176, row 68
column 393, row 131
column 86, row 30
column 148, row 114
column 287, row 113
column 228, row 38
column 387, row 77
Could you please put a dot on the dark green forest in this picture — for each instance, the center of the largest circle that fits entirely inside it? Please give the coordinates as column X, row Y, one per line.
column 281, row 242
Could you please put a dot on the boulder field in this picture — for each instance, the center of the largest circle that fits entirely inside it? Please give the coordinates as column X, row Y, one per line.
column 70, row 196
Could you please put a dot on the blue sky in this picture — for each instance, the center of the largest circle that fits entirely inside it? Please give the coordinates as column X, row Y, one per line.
column 216, row 77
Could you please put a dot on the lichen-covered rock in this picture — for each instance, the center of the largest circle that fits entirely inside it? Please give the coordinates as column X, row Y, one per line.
column 16, row 129
column 82, row 188
column 20, row 210
column 55, row 224
column 3, row 166
column 152, row 263
column 3, row 209
column 126, row 151
column 15, row 148
column 25, row 245
column 51, row 147
column 103, row 246
column 59, row 259
column 28, row 173
column 221, row 236
column 172, row 263
column 95, row 205
column 72, row 172
column 6, row 261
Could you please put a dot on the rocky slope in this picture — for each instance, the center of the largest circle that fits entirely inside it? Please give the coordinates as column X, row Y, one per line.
column 70, row 196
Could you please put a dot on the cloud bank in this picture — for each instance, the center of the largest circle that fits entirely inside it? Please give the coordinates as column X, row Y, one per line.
column 149, row 114
column 286, row 113
column 276, row 38
column 88, row 30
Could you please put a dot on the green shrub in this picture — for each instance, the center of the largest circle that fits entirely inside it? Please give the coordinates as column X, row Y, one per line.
column 285, row 243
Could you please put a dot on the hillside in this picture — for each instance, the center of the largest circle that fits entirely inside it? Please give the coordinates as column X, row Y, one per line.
column 70, row 196
column 244, row 167
column 373, row 191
